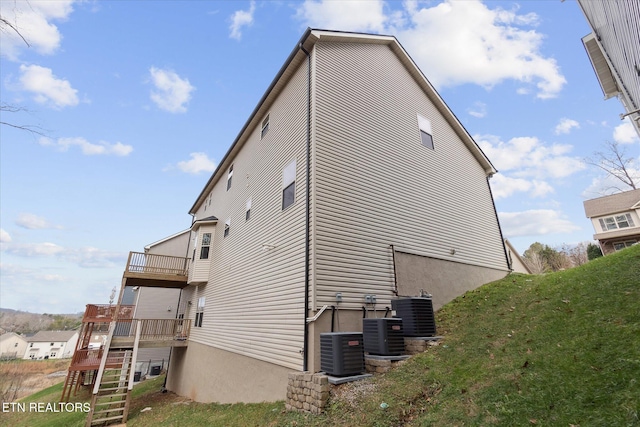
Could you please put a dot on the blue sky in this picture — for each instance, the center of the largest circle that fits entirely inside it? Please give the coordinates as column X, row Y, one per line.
column 139, row 100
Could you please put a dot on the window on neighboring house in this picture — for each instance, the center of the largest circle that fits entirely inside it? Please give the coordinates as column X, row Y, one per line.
column 15, row 345
column 247, row 213
column 53, row 354
column 199, row 312
column 621, row 245
column 30, row 344
column 51, row 344
column 265, row 127
column 206, row 243
column 229, row 177
column 227, row 226
column 289, row 184
column 426, row 134
column 616, row 221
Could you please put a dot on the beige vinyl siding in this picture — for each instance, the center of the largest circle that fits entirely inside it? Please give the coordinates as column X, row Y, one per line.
column 156, row 303
column 255, row 295
column 377, row 185
column 175, row 245
column 199, row 271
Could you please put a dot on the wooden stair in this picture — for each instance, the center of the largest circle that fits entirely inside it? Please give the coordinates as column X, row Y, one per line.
column 114, row 381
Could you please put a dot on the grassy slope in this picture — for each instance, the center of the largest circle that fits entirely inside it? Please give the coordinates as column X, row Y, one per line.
column 559, row 349
column 555, row 350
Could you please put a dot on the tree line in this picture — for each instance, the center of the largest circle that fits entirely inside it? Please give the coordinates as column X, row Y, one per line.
column 542, row 258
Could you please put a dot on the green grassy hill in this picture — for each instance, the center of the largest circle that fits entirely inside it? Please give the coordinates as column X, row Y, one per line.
column 560, row 349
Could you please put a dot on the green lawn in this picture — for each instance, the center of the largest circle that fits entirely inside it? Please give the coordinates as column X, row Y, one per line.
column 560, row 349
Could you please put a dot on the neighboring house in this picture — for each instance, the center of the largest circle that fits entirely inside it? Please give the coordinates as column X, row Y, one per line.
column 517, row 263
column 12, row 346
column 614, row 50
column 350, row 184
column 51, row 345
column 615, row 219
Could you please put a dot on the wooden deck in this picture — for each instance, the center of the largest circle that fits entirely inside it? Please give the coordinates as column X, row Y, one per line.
column 103, row 313
column 160, row 271
column 154, row 333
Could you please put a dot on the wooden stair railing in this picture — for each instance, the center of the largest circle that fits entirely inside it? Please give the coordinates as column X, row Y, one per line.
column 114, row 382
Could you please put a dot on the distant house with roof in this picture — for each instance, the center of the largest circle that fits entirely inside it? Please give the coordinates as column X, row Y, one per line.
column 51, row 345
column 615, row 219
column 518, row 265
column 12, row 346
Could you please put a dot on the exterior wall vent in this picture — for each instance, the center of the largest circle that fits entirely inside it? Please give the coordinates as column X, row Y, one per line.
column 383, row 337
column 417, row 316
column 342, row 353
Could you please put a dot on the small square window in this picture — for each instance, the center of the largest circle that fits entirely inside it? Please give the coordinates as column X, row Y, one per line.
column 289, row 185
column 227, row 226
column 265, row 127
column 199, row 312
column 427, row 139
column 229, row 177
column 426, row 134
column 288, row 195
column 206, row 243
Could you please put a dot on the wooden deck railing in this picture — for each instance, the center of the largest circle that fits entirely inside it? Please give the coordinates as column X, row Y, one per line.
column 139, row 262
column 155, row 329
column 105, row 312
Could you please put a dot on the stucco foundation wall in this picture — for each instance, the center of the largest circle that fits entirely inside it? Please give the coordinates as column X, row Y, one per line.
column 207, row 374
column 445, row 280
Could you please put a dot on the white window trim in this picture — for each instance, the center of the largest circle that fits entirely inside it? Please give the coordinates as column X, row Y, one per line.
column 288, row 178
column 424, row 125
column 264, row 127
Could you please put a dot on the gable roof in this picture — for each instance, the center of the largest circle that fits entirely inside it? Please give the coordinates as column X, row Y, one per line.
column 297, row 56
column 8, row 335
column 52, row 336
column 612, row 204
column 150, row 245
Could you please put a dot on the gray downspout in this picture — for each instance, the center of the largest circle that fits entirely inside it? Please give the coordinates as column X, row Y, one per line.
column 305, row 348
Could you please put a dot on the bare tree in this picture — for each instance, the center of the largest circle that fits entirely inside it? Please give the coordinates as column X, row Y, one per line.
column 615, row 162
column 7, row 27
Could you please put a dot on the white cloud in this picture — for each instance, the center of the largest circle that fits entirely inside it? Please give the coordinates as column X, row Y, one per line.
column 88, row 148
column 4, row 236
column 625, row 133
column 356, row 15
column 35, row 249
column 86, row 257
column 479, row 110
column 34, row 222
column 565, row 125
column 172, row 92
column 530, row 157
column 48, row 89
column 453, row 42
column 33, row 19
column 199, row 162
column 503, row 186
column 534, row 223
column 239, row 19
